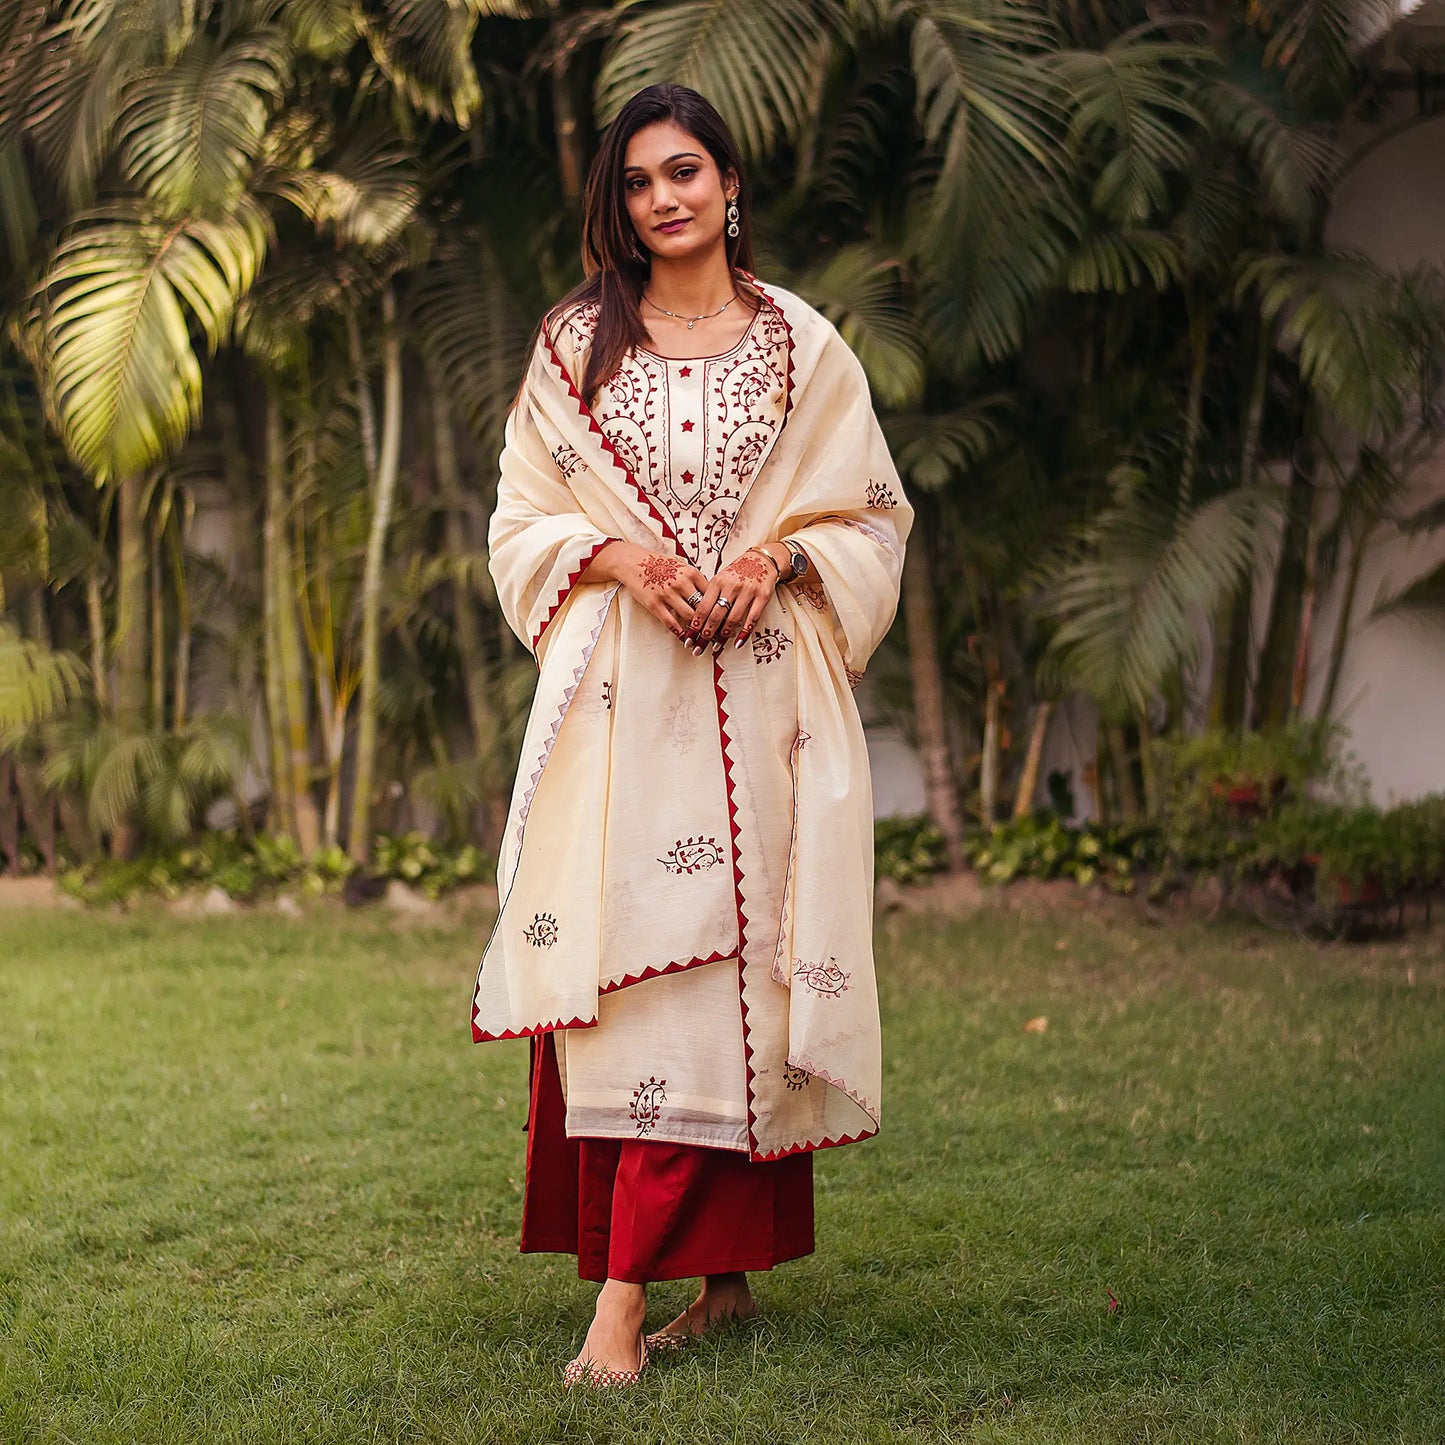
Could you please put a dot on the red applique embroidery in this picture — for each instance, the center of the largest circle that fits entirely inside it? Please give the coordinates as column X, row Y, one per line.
column 769, row 644
column 659, row 571
column 826, row 980
column 880, row 497
column 687, row 478
column 688, row 425
column 647, row 1101
column 542, row 931
column 684, row 371
column 692, row 855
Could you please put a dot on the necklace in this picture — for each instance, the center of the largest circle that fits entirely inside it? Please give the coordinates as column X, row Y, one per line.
column 691, row 320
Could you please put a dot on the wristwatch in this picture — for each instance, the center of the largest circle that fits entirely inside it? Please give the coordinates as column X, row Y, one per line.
column 800, row 563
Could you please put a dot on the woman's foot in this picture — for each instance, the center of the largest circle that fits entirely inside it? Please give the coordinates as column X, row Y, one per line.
column 723, row 1299
column 613, row 1346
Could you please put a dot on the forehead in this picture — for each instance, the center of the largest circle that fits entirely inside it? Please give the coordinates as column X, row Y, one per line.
column 655, row 144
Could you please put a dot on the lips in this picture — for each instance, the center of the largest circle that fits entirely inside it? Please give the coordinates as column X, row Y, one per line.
column 671, row 228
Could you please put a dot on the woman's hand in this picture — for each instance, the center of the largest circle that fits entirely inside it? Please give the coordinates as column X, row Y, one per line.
column 732, row 603
column 661, row 583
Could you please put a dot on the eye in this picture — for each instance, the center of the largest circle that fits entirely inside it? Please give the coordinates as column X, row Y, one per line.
column 684, row 173
column 636, row 183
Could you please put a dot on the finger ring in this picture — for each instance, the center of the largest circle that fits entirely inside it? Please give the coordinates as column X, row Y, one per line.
column 694, row 599
column 724, row 602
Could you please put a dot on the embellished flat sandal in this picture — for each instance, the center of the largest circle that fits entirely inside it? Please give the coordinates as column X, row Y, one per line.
column 665, row 1340
column 580, row 1372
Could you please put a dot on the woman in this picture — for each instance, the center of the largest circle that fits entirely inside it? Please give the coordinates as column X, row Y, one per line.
column 699, row 533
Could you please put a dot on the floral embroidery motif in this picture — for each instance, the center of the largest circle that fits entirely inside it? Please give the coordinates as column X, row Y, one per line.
column 769, row 644
column 803, row 739
column 826, row 980
column 796, row 1079
column 693, row 436
column 692, row 855
column 647, row 1101
column 607, row 694
column 854, row 678
column 567, row 460
column 880, row 497
column 542, row 931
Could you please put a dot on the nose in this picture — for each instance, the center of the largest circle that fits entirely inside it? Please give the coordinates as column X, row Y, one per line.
column 663, row 198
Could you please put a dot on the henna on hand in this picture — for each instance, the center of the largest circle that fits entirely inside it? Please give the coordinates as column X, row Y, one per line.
column 659, row 572
column 750, row 569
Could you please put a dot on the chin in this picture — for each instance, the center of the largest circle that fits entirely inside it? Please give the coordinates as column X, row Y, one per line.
column 679, row 248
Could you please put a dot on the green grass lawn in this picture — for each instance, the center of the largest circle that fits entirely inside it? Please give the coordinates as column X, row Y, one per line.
column 257, row 1185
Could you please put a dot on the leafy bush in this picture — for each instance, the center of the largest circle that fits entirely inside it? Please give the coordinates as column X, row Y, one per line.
column 1045, row 847
column 907, row 849
column 249, row 870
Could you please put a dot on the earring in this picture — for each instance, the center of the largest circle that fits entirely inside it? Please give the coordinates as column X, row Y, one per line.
column 733, row 227
column 638, row 254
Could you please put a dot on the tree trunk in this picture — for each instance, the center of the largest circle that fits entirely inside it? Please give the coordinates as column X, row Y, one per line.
column 158, row 624
column 989, row 759
column 388, row 467
column 1033, row 761
column 571, row 156
column 181, row 704
column 130, row 631
column 1341, row 637
column 294, row 743
column 471, row 649
column 273, row 592
column 1230, row 673
column 1276, row 658
column 95, row 622
column 1124, row 789
column 919, row 604
column 365, row 407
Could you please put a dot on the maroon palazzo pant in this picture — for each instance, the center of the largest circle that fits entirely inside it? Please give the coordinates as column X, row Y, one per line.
column 640, row 1210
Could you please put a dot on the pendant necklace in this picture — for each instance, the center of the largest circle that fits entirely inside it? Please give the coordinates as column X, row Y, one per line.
column 691, row 320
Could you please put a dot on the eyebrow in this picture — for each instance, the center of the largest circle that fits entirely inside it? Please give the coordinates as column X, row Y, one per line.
column 681, row 155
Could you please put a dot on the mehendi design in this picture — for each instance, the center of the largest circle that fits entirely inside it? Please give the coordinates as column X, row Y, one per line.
column 692, row 855
column 750, row 569
column 658, row 572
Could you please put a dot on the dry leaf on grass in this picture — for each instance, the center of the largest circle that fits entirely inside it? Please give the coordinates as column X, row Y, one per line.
column 1037, row 1025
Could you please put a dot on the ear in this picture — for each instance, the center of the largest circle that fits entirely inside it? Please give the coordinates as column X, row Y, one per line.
column 730, row 184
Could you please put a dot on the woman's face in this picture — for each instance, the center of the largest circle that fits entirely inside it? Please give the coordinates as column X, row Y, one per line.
column 675, row 196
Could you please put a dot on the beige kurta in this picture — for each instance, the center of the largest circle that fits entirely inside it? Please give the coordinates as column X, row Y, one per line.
column 686, row 876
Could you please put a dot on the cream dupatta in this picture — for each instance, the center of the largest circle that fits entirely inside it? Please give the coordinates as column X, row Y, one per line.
column 674, row 813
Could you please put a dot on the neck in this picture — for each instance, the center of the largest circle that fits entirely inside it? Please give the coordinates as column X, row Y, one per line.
column 691, row 286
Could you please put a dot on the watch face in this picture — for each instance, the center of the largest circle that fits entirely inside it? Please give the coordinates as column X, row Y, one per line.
column 800, row 563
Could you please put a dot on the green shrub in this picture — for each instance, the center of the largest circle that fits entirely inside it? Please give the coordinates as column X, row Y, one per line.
column 1045, row 847
column 907, row 849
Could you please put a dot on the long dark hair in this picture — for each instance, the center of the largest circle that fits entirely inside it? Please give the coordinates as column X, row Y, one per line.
column 616, row 274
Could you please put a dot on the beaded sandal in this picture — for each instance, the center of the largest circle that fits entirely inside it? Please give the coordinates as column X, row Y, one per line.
column 579, row 1372
column 665, row 1340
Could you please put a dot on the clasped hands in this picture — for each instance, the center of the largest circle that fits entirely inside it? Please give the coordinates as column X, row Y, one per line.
column 700, row 612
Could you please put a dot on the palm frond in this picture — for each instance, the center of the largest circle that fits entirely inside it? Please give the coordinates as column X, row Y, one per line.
column 1294, row 163
column 424, row 48
column 1130, row 105
column 190, row 133
column 367, row 194
column 115, row 312
column 1128, row 607
column 1123, row 261
column 1423, row 597
column 859, row 290
column 934, row 450
column 758, row 61
column 34, row 683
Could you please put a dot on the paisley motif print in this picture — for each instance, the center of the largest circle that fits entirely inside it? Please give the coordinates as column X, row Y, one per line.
column 692, row 855
column 796, row 1079
column 880, row 497
column 541, row 932
column 826, row 980
column 567, row 460
column 647, row 1101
